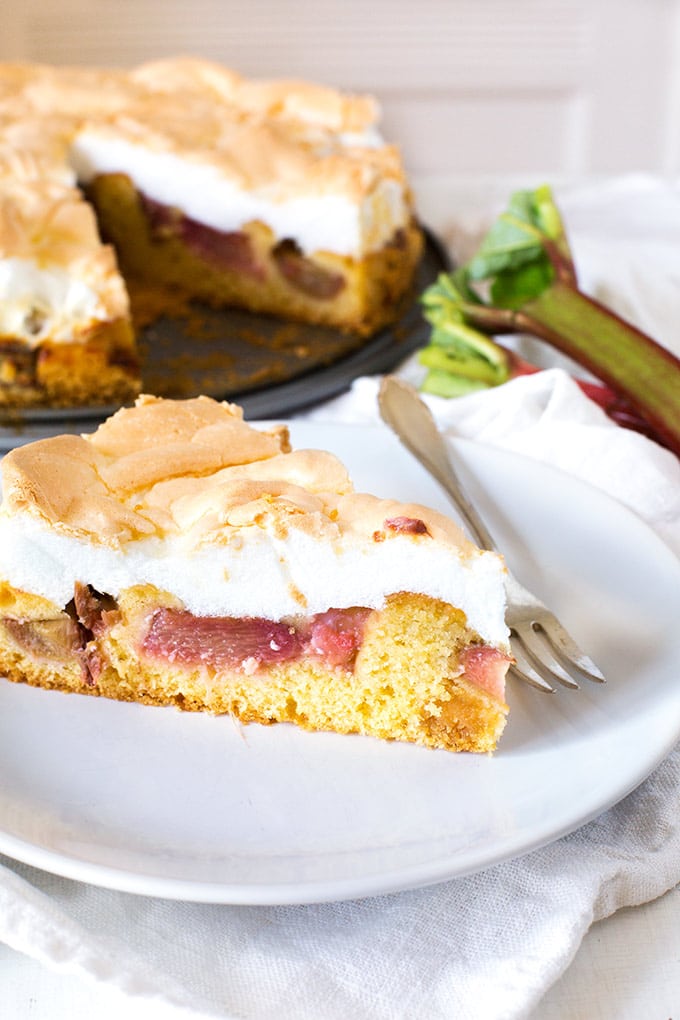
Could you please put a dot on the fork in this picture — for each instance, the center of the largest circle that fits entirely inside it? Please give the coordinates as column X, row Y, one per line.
column 544, row 651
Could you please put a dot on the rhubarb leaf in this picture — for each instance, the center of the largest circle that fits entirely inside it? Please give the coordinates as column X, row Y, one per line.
column 512, row 288
column 508, row 244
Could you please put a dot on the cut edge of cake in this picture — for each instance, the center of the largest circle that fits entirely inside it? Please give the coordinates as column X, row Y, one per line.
column 66, row 335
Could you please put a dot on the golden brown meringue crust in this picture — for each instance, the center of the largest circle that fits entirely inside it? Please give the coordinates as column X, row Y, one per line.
column 195, row 468
column 281, row 135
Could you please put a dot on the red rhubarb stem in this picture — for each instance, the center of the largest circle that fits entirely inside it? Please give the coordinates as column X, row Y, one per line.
column 623, row 357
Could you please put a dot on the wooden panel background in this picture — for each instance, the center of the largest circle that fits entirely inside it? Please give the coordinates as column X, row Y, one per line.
column 467, row 87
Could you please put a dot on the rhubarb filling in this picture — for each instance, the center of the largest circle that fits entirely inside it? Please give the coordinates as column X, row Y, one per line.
column 246, row 645
column 234, row 250
column 222, row 642
column 231, row 250
column 304, row 274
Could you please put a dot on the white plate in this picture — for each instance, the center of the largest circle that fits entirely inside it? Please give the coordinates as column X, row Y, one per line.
column 188, row 806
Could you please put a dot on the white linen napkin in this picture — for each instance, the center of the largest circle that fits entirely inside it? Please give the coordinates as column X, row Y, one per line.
column 484, row 947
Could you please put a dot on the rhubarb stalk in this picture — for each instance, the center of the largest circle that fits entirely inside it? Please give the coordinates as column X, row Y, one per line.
column 523, row 280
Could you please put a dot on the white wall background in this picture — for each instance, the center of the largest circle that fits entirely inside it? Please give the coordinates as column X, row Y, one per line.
column 561, row 87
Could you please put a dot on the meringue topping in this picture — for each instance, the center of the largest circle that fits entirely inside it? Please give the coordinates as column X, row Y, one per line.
column 185, row 495
column 195, row 468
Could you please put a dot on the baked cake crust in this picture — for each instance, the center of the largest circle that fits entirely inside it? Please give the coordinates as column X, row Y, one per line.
column 192, row 560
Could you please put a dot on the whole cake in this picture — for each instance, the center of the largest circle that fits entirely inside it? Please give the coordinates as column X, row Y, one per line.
column 275, row 196
column 179, row 556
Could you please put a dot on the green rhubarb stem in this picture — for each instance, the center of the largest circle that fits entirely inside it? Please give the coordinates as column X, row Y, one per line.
column 469, row 368
column 445, row 384
column 612, row 349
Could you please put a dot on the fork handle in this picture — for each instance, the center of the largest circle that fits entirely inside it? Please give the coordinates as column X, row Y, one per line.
column 411, row 419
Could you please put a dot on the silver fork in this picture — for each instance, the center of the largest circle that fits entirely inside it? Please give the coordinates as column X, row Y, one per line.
column 544, row 651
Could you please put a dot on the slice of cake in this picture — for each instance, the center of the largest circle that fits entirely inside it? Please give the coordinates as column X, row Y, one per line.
column 277, row 197
column 179, row 556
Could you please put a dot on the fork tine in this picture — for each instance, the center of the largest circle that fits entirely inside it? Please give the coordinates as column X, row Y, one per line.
column 525, row 672
column 568, row 651
column 539, row 654
column 527, row 614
